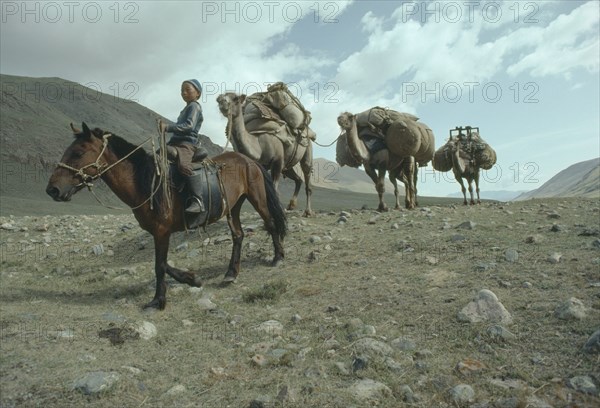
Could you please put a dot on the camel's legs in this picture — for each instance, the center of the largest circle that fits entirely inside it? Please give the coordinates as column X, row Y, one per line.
column 462, row 187
column 306, row 163
column 378, row 178
column 292, row 175
column 476, row 178
column 409, row 168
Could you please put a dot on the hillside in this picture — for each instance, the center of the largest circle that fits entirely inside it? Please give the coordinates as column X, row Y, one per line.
column 579, row 180
column 36, row 113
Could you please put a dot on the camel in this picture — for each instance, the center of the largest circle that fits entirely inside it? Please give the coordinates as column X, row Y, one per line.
column 466, row 161
column 376, row 167
column 464, row 167
column 410, row 148
column 268, row 149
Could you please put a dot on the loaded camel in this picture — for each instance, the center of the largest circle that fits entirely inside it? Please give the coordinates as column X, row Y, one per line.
column 268, row 149
column 465, row 155
column 377, row 164
column 406, row 147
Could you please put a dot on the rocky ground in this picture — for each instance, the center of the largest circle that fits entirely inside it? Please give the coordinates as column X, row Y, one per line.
column 496, row 305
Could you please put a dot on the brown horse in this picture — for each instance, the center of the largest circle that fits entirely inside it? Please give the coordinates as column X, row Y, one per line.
column 128, row 171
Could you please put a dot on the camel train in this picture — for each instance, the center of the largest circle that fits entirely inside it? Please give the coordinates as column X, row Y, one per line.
column 273, row 129
column 269, row 132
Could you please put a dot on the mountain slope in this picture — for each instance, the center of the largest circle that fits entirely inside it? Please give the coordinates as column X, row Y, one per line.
column 579, row 180
column 36, row 112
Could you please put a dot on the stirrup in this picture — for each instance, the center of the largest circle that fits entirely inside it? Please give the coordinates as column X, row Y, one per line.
column 196, row 207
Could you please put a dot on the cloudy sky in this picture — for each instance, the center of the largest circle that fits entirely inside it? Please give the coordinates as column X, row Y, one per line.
column 526, row 73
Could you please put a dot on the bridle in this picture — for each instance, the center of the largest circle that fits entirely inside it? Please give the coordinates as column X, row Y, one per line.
column 87, row 180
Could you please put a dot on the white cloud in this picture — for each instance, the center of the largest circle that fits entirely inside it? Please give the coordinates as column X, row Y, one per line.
column 567, row 43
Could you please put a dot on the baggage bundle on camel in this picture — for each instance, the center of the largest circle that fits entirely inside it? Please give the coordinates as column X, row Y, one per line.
column 401, row 133
column 479, row 152
column 343, row 155
column 267, row 112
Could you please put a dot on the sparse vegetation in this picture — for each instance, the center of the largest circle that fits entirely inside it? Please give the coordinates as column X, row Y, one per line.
column 295, row 335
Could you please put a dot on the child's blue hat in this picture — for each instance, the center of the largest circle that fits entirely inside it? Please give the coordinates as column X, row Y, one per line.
column 195, row 83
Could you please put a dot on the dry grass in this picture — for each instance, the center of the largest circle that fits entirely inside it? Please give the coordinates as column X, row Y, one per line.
column 365, row 271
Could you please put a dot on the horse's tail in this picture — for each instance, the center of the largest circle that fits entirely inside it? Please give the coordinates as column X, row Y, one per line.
column 274, row 204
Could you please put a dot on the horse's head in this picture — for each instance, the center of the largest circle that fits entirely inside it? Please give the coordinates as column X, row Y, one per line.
column 346, row 120
column 231, row 103
column 79, row 164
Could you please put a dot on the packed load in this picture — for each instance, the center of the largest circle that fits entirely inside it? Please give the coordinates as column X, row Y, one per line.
column 343, row 155
column 268, row 112
column 401, row 133
column 476, row 149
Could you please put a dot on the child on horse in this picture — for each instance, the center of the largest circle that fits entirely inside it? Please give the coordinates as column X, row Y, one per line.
column 185, row 138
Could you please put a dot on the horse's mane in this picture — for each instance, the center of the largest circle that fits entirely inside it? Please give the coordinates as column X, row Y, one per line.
column 142, row 162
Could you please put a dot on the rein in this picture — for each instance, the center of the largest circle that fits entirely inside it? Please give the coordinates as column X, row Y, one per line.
column 88, row 179
column 328, row 145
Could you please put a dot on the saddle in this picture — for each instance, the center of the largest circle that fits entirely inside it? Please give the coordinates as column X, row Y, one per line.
column 205, row 182
column 199, row 155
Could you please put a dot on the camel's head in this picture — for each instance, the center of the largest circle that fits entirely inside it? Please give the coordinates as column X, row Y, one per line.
column 231, row 103
column 346, row 120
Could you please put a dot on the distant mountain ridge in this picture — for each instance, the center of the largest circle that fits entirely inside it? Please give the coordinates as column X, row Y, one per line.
column 579, row 180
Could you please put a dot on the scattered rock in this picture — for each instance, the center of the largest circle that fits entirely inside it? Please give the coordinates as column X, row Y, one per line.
column 554, row 258
column 554, row 216
column 98, row 249
column 342, row 368
column 182, row 246
column 470, row 366
column 296, row 318
column 527, row 285
column 206, row 304
column 571, row 309
column 359, row 363
column 96, row 382
column 259, row 360
column 534, row 239
column 462, row 394
column 556, row 228
column 469, row 225
column 583, row 384
column 146, row 330
column 367, row 389
column 333, row 308
column 8, row 226
column 485, row 308
column 314, row 239
column 498, row 332
column 372, row 348
column 285, row 395
column 372, row 220
column 175, row 390
column 407, row 394
column 592, row 345
column 511, row 255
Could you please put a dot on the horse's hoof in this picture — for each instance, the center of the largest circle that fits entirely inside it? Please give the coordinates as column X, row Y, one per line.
column 308, row 214
column 156, row 304
column 276, row 262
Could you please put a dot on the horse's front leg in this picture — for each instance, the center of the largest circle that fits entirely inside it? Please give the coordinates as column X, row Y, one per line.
column 161, row 249
column 237, row 236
